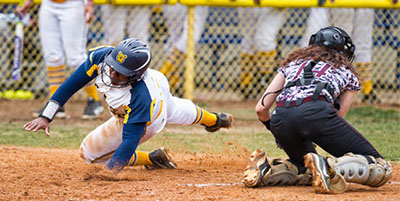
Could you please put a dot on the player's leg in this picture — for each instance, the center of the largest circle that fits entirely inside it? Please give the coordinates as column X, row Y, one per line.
column 291, row 128
column 138, row 25
column 331, row 174
column 318, row 18
column 343, row 18
column 99, row 146
column 362, row 38
column 359, row 22
column 176, row 17
column 270, row 22
column 74, row 36
column 173, row 67
column 339, row 138
column 248, row 21
column 184, row 112
column 52, row 47
column 200, row 15
column 286, row 127
column 261, row 172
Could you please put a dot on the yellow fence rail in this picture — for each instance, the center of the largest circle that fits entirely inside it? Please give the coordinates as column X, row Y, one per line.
column 249, row 3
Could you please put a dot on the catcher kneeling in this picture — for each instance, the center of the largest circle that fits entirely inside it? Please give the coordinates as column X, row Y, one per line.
column 313, row 91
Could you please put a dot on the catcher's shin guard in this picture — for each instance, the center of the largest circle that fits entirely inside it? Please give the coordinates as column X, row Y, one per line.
column 161, row 159
column 366, row 170
column 324, row 178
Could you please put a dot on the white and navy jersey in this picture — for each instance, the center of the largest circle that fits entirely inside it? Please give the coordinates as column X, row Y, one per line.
column 339, row 79
column 140, row 103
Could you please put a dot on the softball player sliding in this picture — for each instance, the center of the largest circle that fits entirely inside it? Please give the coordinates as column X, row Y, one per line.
column 313, row 91
column 140, row 101
column 63, row 27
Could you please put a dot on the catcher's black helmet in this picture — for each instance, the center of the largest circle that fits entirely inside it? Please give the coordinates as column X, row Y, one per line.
column 334, row 38
column 131, row 57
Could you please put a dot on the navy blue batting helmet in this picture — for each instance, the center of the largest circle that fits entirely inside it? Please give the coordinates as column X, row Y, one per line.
column 131, row 57
column 334, row 38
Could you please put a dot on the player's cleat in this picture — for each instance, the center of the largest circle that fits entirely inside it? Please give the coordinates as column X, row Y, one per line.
column 256, row 169
column 224, row 120
column 161, row 159
column 320, row 171
column 93, row 109
column 61, row 114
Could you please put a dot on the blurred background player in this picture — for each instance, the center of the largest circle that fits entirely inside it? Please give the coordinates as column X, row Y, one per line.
column 359, row 23
column 141, row 103
column 176, row 17
column 257, row 60
column 63, row 27
column 125, row 21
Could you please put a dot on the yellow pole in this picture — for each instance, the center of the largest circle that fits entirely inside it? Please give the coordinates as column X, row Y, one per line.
column 188, row 85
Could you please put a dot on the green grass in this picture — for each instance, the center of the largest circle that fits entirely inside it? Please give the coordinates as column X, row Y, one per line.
column 14, row 134
column 380, row 127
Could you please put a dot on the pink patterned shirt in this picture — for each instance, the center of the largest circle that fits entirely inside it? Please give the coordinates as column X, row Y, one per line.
column 340, row 79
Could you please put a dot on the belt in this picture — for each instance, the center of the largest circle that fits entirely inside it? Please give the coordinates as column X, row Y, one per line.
column 299, row 101
column 58, row 1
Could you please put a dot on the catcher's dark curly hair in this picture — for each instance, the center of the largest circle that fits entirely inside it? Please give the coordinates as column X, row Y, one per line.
column 319, row 53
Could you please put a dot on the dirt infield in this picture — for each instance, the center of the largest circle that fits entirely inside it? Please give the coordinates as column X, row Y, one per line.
column 59, row 174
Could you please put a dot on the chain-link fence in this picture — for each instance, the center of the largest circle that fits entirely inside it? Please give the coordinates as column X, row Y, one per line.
column 237, row 49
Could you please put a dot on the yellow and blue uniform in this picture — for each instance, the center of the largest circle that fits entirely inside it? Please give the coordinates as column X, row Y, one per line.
column 140, row 111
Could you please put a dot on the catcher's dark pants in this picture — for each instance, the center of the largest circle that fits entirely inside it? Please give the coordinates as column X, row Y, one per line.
column 296, row 127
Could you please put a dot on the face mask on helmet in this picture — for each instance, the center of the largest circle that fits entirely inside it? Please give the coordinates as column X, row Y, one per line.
column 117, row 80
column 130, row 58
column 336, row 39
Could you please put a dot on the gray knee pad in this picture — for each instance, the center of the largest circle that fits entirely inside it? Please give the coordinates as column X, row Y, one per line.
column 360, row 169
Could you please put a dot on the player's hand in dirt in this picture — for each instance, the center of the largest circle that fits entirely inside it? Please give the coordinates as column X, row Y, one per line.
column 37, row 124
column 25, row 7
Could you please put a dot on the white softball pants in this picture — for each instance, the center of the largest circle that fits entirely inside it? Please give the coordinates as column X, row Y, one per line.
column 63, row 32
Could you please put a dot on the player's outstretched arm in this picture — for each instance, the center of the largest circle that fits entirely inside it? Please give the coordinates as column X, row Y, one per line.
column 37, row 124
